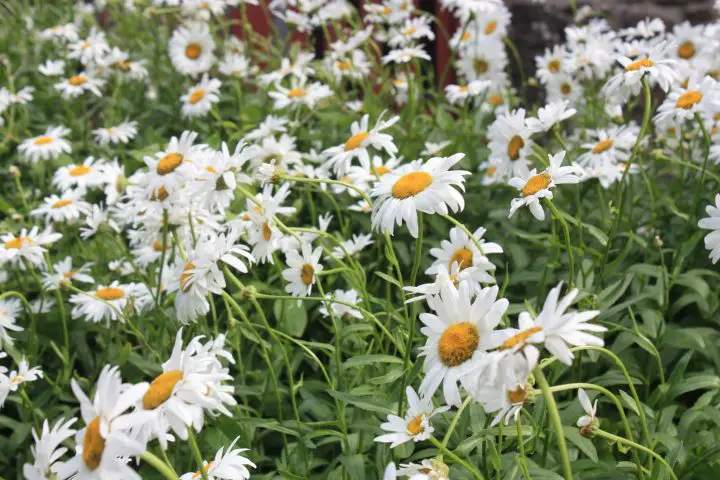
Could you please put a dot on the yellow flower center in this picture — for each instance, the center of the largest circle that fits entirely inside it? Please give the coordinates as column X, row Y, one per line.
column 490, row 27
column 344, row 65
column 380, row 171
column 639, row 64
column 77, row 80
column 464, row 88
column 160, row 194
column 515, row 144
column 17, row 243
column 565, row 88
column 110, row 293
column 93, row 444
column 297, row 93
column 602, row 146
column 197, row 95
column 193, row 51
column 266, row 231
column 519, row 338
column 415, row 425
column 69, row 275
column 457, row 343
column 387, row 10
column 62, row 203
column 44, row 140
column 356, row 140
column 553, row 66
column 198, row 474
column 185, row 277
column 169, row 163
column 466, row 36
column 307, row 272
column 409, row 31
column 17, row 379
column 463, row 257
column 496, row 99
column 516, row 396
column 686, row 50
column 161, row 388
column 481, row 66
column 688, row 99
column 491, row 171
column 411, row 184
column 122, row 65
column 536, row 183
column 157, row 246
column 79, row 171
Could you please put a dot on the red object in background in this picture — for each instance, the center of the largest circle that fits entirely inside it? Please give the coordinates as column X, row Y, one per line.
column 258, row 18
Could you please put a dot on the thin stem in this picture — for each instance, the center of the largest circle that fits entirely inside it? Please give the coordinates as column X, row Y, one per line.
column 196, row 453
column 557, row 423
column 615, row 438
column 455, row 420
column 475, row 472
column 462, row 227
column 566, row 233
column 161, row 466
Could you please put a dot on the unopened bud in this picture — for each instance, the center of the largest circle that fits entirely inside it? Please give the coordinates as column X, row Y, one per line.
column 248, row 292
column 14, row 171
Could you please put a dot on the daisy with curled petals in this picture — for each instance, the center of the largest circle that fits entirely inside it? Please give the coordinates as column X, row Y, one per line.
column 121, row 133
column 302, row 271
column 554, row 327
column 301, row 93
column 660, row 68
column 510, row 141
column 460, row 94
column 27, row 246
column 23, row 374
column 228, row 464
column 88, row 174
column 200, row 99
column 685, row 101
column 361, row 139
column 712, row 222
column 536, row 186
column 429, row 187
column 413, row 30
column 462, row 251
column 459, row 334
column 110, row 302
column 95, row 218
column 48, row 449
column 104, row 446
column 589, row 421
column 47, row 146
column 354, row 245
column 62, row 209
column 191, row 49
column 52, row 68
column 191, row 383
column 550, row 115
column 263, row 233
column 339, row 310
column 444, row 276
column 201, row 274
column 64, row 272
column 10, row 309
column 507, row 392
column 415, row 425
column 91, row 49
column 220, row 175
column 405, row 55
column 76, row 85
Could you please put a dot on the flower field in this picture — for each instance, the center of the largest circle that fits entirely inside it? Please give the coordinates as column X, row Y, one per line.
column 326, row 251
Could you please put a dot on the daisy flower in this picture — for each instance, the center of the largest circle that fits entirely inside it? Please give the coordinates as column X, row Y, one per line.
column 17, row 377
column 485, row 60
column 461, row 251
column 507, row 394
column 62, row 209
column 227, row 464
column 235, row 65
column 459, row 334
column 95, row 218
column 200, row 99
column 301, row 93
column 21, row 97
column 613, row 145
column 104, row 446
column 554, row 327
column 174, row 166
column 263, row 234
column 536, row 186
column 429, row 187
column 550, row 115
column 48, row 449
column 433, row 149
column 413, row 30
column 10, row 309
column 28, row 245
column 683, row 102
column 52, row 68
column 220, row 175
column 353, row 64
column 303, row 267
column 48, row 146
column 356, row 244
column 405, row 55
column 191, row 49
column 66, row 32
column 661, row 70
column 76, row 85
column 712, row 222
column 190, row 384
column 589, row 421
column 433, row 469
column 359, row 142
column 510, row 140
column 88, row 174
column 89, row 50
column 415, row 425
column 460, row 94
column 64, row 272
column 551, row 63
column 339, row 310
column 121, row 133
column 109, row 302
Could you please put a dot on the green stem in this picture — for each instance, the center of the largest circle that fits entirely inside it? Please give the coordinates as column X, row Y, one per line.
column 707, row 141
column 455, row 420
column 615, row 438
column 456, row 459
column 328, row 181
column 557, row 423
column 161, row 466
column 196, row 453
column 566, row 233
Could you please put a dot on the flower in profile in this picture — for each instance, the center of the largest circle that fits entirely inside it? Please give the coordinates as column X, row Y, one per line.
column 10, row 309
column 338, row 309
column 712, row 222
column 588, row 422
column 415, row 425
column 111, row 302
column 429, row 187
column 64, row 272
column 433, row 469
column 76, row 85
column 405, row 55
column 227, row 464
column 48, row 449
column 47, row 146
column 686, row 101
column 12, row 382
column 300, row 93
column 120, row 133
column 550, row 115
column 536, row 186
column 358, row 144
column 27, row 246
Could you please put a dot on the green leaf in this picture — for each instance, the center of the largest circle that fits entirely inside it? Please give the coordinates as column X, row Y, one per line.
column 362, row 360
column 363, row 403
column 355, row 466
column 388, row 278
column 291, row 317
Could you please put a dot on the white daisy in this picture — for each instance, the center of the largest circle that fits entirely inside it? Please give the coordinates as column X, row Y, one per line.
column 110, row 302
column 89, row 50
column 28, row 245
column 88, row 174
column 712, row 222
column 76, row 85
column 354, row 245
column 415, row 425
column 10, row 309
column 361, row 139
column 52, row 68
column 302, row 271
column 48, row 146
column 121, row 133
column 684, row 102
column 48, row 449
column 191, row 49
column 227, row 464
column 341, row 311
column 588, row 421
column 460, row 94
column 301, row 93
column 200, row 98
column 405, row 55
column 62, row 209
column 550, row 115
column 510, row 141
column 64, row 272
column 462, row 252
